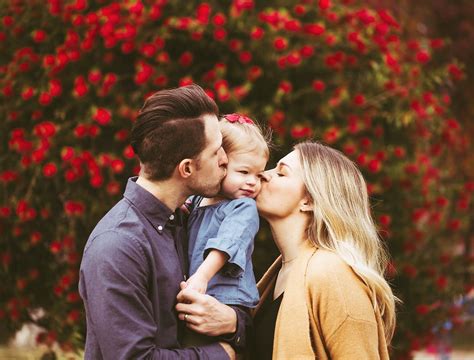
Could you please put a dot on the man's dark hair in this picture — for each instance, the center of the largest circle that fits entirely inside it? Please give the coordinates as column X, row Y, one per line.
column 170, row 128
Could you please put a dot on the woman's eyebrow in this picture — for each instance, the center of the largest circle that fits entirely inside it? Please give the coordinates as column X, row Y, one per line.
column 281, row 164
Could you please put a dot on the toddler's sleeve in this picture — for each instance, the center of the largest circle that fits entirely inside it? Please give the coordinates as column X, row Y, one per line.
column 236, row 234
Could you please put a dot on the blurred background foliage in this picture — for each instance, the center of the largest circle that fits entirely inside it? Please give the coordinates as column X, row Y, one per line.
column 383, row 81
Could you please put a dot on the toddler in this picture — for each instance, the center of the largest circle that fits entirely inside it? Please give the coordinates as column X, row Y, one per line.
column 222, row 229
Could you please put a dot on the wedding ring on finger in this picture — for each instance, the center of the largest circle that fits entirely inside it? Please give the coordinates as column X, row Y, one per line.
column 186, row 317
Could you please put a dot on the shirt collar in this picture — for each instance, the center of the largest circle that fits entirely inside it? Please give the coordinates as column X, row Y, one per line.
column 157, row 213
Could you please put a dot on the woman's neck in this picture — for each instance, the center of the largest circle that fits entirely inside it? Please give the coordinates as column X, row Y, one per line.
column 289, row 234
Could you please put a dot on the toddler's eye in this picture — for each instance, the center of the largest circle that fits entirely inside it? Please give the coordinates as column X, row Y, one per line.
column 280, row 174
column 245, row 172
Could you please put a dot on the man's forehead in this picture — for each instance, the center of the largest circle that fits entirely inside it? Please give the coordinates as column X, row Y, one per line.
column 213, row 133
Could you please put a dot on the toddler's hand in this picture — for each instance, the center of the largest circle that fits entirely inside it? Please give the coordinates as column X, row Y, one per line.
column 198, row 283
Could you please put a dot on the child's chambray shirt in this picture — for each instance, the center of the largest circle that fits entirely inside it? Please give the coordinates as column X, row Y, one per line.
column 229, row 226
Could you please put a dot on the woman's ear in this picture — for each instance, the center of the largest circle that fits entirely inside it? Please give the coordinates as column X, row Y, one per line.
column 185, row 168
column 306, row 205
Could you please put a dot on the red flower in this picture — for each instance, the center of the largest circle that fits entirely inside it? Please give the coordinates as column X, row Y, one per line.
column 241, row 119
column 324, row 4
column 319, row 85
column 280, row 44
column 423, row 309
column 331, row 135
column 117, row 166
column 219, row 19
column 455, row 71
column 5, row 211
column 423, row 56
column 307, row 51
column 285, row 86
column 220, row 34
column 257, row 33
column 74, row 208
column 454, row 224
column 385, row 220
column 254, row 73
column 442, row 282
column 300, row 132
column 94, row 76
column 50, row 169
column 374, row 165
column 45, row 98
column 399, row 152
column 314, row 29
column 437, row 43
column 299, row 9
column 96, row 181
column 39, row 36
column 245, row 57
column 80, row 87
column 102, row 116
column 27, row 93
column 359, row 100
column 113, row 188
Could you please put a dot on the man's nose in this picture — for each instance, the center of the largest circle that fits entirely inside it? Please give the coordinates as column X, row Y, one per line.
column 223, row 160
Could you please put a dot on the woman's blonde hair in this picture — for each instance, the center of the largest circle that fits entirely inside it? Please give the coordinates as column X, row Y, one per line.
column 241, row 134
column 342, row 221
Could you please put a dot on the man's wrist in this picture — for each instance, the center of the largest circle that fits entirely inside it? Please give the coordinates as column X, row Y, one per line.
column 237, row 338
column 233, row 324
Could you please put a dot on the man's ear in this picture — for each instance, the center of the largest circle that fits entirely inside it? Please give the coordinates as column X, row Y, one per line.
column 186, row 168
column 306, row 205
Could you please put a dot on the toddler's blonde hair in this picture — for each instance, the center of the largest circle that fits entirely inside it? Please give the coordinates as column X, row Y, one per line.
column 241, row 134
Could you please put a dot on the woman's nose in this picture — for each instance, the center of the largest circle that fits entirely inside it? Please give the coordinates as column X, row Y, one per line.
column 266, row 176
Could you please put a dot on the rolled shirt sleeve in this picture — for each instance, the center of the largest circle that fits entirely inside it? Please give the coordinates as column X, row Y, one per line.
column 236, row 234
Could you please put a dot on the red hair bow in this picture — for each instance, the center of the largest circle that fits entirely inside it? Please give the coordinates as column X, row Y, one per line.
column 242, row 119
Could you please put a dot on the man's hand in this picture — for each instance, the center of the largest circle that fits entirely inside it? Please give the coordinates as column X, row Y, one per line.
column 204, row 314
column 228, row 349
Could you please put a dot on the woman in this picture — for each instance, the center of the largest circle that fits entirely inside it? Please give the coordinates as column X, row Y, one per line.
column 325, row 297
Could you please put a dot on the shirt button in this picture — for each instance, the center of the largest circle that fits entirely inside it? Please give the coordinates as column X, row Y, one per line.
column 172, row 217
column 160, row 228
column 238, row 339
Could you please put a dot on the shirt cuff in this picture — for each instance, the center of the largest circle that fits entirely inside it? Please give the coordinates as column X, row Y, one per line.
column 238, row 339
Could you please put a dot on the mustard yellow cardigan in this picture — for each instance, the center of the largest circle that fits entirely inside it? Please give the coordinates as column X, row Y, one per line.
column 326, row 312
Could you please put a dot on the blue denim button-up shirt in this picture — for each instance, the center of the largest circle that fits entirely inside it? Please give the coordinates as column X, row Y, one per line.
column 130, row 273
column 229, row 226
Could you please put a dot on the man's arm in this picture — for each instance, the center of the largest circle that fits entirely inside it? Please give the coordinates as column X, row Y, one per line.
column 114, row 288
column 206, row 315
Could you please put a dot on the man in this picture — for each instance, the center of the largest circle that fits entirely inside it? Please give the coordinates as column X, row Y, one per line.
column 134, row 260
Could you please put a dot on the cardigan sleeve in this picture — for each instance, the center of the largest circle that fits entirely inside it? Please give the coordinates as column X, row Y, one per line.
column 342, row 310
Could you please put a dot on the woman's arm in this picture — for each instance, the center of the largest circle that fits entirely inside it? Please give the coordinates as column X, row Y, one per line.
column 343, row 311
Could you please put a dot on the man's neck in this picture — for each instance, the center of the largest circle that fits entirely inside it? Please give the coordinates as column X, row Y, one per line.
column 167, row 191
